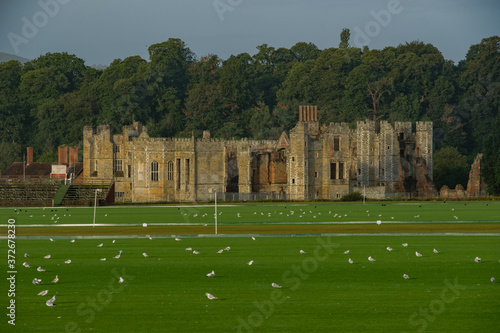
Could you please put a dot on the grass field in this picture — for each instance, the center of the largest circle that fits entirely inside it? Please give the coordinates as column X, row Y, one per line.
column 321, row 291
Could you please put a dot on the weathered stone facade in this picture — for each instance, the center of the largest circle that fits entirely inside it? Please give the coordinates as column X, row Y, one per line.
column 312, row 162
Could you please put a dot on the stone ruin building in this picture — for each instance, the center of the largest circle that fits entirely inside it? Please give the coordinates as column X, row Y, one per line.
column 310, row 162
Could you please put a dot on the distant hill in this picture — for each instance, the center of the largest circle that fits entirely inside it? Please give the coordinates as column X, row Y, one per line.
column 4, row 57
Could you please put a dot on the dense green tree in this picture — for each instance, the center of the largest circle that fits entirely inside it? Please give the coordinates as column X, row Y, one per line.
column 491, row 169
column 450, row 168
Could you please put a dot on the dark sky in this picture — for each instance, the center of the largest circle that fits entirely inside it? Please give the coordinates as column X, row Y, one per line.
column 100, row 31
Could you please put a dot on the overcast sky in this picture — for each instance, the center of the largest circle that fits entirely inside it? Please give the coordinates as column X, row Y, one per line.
column 100, row 31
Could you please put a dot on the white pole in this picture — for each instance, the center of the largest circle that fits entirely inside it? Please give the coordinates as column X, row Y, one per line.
column 95, row 206
column 215, row 190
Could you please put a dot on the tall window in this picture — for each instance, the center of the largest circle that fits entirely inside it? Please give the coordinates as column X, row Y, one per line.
column 154, row 171
column 116, row 149
column 333, row 170
column 117, row 165
column 336, row 143
column 170, row 170
column 187, row 171
column 341, row 170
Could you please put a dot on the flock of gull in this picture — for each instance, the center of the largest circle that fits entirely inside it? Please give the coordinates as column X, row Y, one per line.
column 51, row 302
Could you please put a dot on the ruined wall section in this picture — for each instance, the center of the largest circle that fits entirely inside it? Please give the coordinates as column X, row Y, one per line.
column 389, row 155
column 298, row 169
column 365, row 134
column 336, row 161
column 98, row 154
column 424, row 144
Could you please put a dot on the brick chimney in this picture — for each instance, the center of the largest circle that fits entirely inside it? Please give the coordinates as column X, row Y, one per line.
column 63, row 155
column 73, row 155
column 29, row 155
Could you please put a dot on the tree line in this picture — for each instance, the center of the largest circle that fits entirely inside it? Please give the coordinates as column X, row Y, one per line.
column 46, row 102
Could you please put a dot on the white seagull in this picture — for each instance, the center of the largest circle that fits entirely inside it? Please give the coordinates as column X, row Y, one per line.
column 51, row 239
column 120, row 280
column 250, row 263
column 145, row 255
column 117, row 256
column 102, row 259
column 435, row 251
column 40, row 269
column 346, row 252
column 389, row 248
column 211, row 274
column 56, row 279
column 227, row 248
column 405, row 244
column 189, row 249
column 43, row 293
column 351, row 261
column 253, row 238
column 275, row 285
column 371, row 259
column 210, row 296
column 418, row 254
column 177, row 239
column 100, row 245
column 406, row 276
column 47, row 256
column 67, row 261
column 72, row 241
column 25, row 264
column 302, row 252
column 26, row 255
column 36, row 281
column 49, row 303
column 53, row 299
column 196, row 252
column 492, row 279
column 220, row 251
column 477, row 259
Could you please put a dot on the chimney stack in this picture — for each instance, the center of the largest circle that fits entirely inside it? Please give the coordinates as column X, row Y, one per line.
column 73, row 155
column 29, row 156
column 62, row 155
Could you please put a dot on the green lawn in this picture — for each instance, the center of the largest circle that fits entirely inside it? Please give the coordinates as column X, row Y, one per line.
column 322, row 292
column 284, row 213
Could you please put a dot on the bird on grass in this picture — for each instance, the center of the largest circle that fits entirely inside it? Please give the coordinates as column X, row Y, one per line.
column 36, row 281
column 178, row 239
column 210, row 296
column 275, row 285
column 72, row 241
column 25, row 264
column 371, row 259
column 477, row 259
column 43, row 293
column 189, row 249
column 47, row 256
column 253, row 238
column 67, row 261
column 302, row 252
column 346, row 252
column 26, row 255
column 389, row 248
column 100, row 245
column 227, row 248
column 220, row 251
column 145, row 255
column 120, row 280
column 492, row 279
column 102, row 259
column 196, row 252
column 406, row 276
column 56, row 279
column 418, row 254
column 53, row 299
column 405, row 244
column 250, row 263
column 117, row 256
column 40, row 269
column 49, row 303
column 435, row 251
column 211, row 274
column 351, row 261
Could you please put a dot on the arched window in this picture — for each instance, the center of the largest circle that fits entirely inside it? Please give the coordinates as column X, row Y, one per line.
column 154, row 171
column 170, row 170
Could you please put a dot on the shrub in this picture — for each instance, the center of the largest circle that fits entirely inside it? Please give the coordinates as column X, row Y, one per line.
column 353, row 196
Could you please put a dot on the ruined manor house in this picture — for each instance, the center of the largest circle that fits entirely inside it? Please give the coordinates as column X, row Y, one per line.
column 311, row 162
